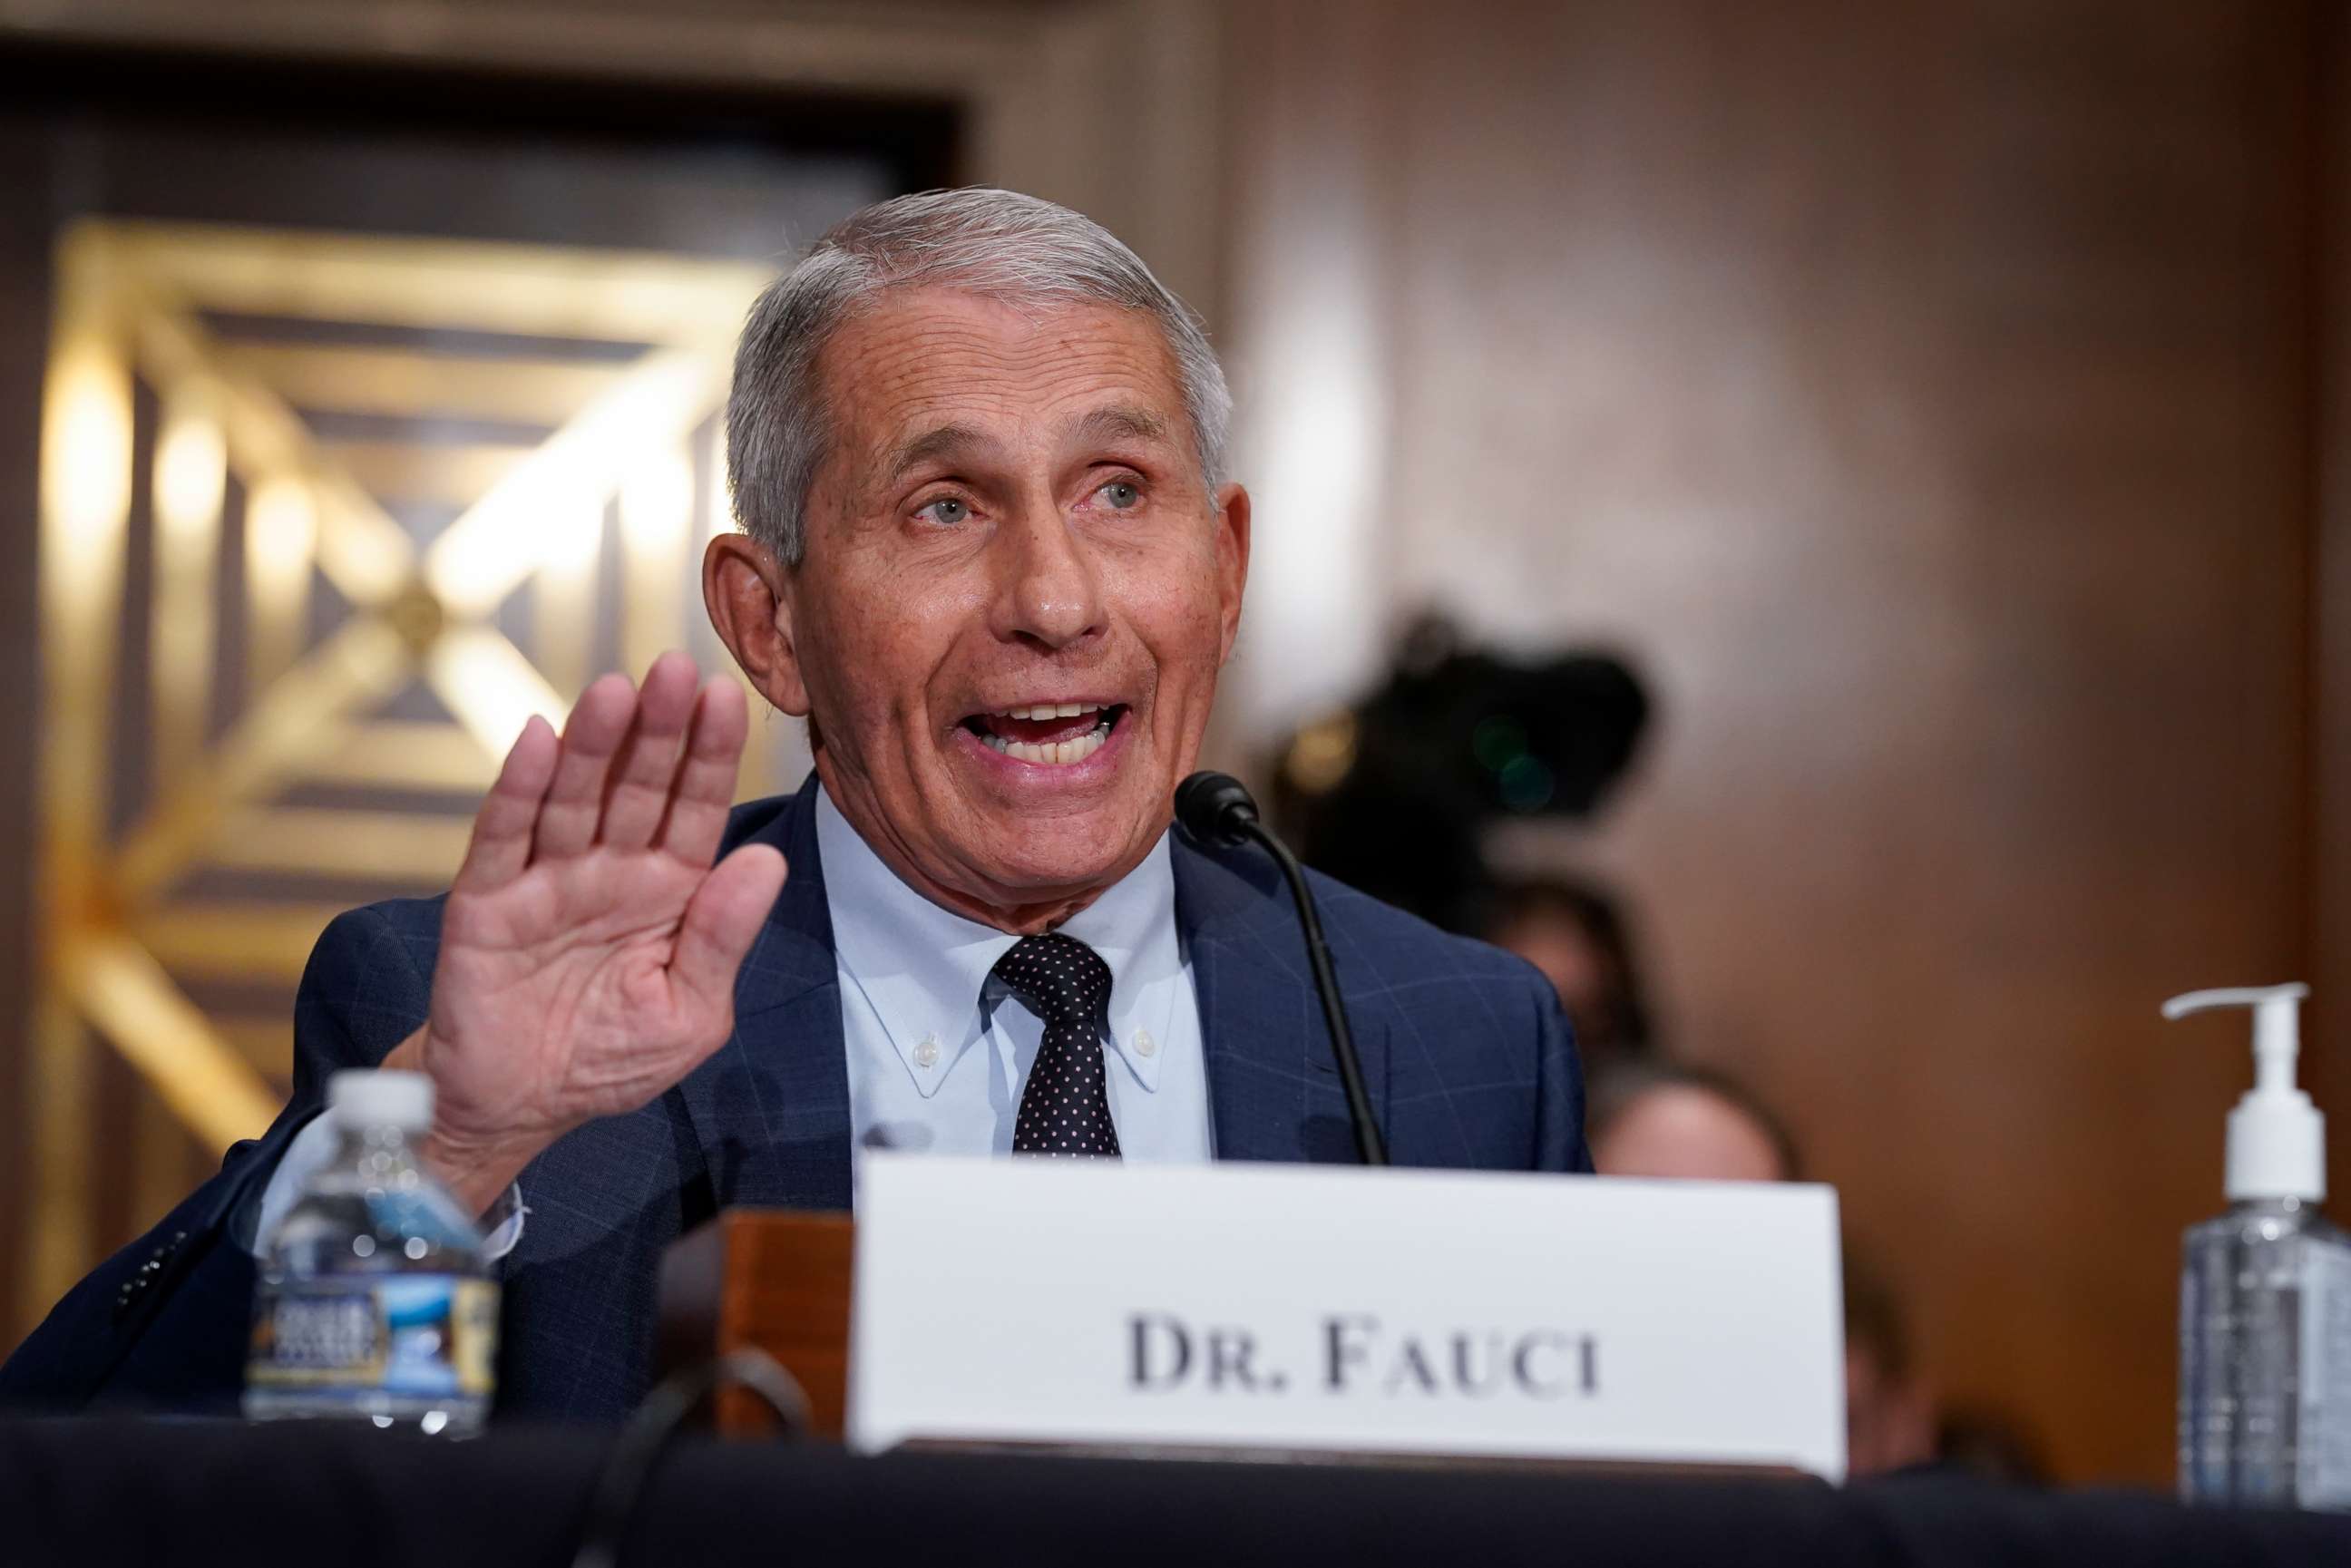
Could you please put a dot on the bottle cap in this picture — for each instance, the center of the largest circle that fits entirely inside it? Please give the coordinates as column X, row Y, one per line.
column 2277, row 1138
column 358, row 1098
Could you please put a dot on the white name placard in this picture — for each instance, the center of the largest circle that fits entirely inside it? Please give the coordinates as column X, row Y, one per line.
column 1318, row 1308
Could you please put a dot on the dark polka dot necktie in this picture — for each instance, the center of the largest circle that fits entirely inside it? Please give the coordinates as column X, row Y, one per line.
column 1065, row 1109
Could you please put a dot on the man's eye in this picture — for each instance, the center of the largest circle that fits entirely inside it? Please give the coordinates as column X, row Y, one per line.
column 1121, row 494
column 948, row 510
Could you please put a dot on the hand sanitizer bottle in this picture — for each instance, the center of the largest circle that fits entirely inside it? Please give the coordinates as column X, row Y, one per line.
column 2265, row 1294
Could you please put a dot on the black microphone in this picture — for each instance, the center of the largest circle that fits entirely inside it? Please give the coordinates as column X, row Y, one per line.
column 1217, row 809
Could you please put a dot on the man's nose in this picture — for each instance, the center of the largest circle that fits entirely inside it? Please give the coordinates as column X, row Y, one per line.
column 1049, row 594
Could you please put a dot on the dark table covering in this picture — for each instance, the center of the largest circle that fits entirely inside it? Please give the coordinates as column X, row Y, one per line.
column 124, row 1491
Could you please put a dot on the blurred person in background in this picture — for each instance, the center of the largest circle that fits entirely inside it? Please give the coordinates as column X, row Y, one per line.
column 1675, row 1121
column 1991, row 1443
column 1889, row 1412
column 1574, row 931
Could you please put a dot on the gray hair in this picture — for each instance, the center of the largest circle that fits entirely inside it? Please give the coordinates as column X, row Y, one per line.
column 997, row 244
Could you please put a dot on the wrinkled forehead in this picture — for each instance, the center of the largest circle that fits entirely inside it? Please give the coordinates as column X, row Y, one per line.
column 919, row 368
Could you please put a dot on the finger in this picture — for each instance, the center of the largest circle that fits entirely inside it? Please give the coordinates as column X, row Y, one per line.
column 704, row 790
column 637, row 790
column 722, row 921
column 591, row 736
column 500, row 847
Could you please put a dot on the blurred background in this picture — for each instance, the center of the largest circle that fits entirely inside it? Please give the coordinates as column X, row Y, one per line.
column 1823, row 524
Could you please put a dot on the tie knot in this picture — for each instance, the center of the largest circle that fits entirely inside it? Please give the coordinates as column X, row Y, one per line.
column 1064, row 981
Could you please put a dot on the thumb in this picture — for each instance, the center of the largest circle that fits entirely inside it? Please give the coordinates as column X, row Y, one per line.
column 723, row 919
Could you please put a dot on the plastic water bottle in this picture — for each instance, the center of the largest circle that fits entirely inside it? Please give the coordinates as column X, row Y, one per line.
column 2265, row 1294
column 373, row 1301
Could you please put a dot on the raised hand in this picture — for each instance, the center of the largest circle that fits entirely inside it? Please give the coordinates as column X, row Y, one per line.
column 589, row 947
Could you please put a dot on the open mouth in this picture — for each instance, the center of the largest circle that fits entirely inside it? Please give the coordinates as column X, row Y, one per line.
column 1053, row 734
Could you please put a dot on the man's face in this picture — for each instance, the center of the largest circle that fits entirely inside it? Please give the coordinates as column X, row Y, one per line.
column 1015, row 598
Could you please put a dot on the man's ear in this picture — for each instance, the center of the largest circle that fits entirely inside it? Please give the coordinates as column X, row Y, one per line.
column 1232, row 561
column 747, row 593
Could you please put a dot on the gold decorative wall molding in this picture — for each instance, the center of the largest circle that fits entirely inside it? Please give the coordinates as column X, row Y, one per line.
column 1116, row 107
column 343, row 611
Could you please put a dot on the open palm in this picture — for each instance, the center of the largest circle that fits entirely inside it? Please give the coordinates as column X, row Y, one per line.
column 589, row 947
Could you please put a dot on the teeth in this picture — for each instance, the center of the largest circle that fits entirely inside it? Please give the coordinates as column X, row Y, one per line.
column 1049, row 710
column 1053, row 753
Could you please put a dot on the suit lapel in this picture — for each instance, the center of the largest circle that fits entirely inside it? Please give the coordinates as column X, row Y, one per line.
column 1273, row 1085
column 771, row 1109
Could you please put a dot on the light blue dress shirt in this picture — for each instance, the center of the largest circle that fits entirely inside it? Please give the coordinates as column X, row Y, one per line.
column 938, row 1051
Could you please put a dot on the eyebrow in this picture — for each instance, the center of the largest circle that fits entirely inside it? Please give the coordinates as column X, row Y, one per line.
column 1120, row 423
column 945, row 441
column 1116, row 423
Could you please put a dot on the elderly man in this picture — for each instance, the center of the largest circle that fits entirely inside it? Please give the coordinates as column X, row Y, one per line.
column 988, row 553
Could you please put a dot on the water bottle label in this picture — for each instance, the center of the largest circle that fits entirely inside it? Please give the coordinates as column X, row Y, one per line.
column 424, row 1336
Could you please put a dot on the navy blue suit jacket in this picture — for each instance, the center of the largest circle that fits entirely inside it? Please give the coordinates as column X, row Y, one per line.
column 1467, row 1058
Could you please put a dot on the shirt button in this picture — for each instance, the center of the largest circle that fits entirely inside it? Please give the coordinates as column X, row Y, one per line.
column 926, row 1054
column 1144, row 1044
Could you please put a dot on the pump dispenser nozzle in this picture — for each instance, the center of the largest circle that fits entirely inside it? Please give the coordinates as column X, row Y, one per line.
column 2277, row 1138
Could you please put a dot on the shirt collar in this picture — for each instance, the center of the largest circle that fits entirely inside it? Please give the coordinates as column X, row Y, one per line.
column 923, row 968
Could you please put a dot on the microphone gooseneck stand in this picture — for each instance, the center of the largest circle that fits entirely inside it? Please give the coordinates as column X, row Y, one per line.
column 1217, row 808
column 655, row 1427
